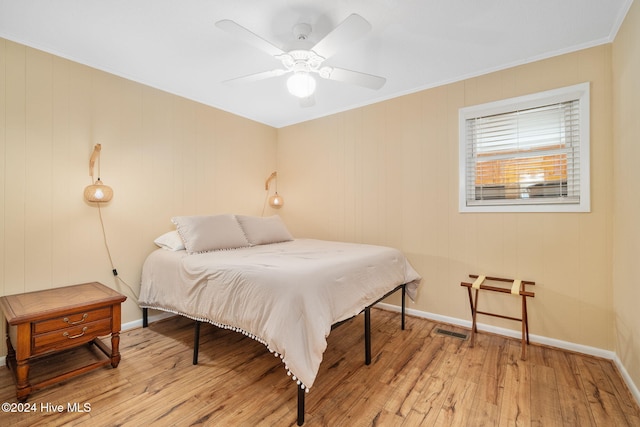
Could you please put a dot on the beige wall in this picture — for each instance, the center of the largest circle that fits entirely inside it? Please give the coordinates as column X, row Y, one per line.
column 384, row 174
column 626, row 231
column 388, row 174
column 162, row 155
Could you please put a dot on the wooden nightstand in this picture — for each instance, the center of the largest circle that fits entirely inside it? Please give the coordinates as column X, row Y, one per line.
column 45, row 322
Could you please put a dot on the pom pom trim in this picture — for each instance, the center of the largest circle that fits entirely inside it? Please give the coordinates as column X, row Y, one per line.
column 242, row 331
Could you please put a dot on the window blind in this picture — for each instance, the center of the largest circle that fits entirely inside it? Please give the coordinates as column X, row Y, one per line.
column 524, row 156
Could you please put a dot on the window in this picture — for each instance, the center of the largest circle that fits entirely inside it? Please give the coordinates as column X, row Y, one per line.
column 526, row 154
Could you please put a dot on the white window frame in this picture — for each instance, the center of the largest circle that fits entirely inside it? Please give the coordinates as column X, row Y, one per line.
column 578, row 92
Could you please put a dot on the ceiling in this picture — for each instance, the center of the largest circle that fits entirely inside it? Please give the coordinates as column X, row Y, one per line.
column 415, row 44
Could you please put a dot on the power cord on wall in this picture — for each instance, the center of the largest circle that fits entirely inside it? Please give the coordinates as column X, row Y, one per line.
column 266, row 199
column 106, row 245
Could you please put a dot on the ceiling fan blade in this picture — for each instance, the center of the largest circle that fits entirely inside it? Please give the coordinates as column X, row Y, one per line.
column 309, row 101
column 247, row 36
column 356, row 78
column 352, row 28
column 257, row 76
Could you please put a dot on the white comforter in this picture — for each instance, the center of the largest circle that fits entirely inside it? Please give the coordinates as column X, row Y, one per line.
column 285, row 295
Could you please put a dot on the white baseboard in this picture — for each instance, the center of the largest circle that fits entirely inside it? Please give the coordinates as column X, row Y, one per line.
column 578, row 348
column 565, row 345
column 138, row 323
column 627, row 379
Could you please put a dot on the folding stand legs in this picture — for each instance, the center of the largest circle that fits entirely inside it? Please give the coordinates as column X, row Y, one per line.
column 517, row 289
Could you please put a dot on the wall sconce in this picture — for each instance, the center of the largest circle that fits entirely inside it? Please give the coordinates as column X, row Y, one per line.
column 97, row 192
column 276, row 200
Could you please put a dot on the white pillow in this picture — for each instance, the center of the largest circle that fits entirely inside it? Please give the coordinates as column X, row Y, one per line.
column 170, row 241
column 205, row 233
column 262, row 231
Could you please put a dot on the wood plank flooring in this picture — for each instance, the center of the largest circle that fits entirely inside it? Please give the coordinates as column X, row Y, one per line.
column 417, row 378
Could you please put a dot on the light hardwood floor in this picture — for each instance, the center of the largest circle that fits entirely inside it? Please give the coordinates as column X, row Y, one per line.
column 417, row 378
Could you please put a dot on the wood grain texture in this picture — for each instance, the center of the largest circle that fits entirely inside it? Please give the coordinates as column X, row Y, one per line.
column 417, row 378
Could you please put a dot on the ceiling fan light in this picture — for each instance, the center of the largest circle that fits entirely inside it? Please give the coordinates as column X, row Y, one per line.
column 301, row 84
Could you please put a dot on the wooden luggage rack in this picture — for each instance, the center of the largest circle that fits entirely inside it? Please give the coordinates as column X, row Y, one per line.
column 517, row 289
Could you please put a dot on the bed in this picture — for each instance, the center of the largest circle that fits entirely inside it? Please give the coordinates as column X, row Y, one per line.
column 250, row 275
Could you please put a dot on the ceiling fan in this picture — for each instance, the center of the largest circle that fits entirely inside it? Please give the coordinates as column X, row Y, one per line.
column 303, row 63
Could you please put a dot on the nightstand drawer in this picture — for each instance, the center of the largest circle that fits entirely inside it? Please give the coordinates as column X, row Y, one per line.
column 75, row 319
column 70, row 337
column 41, row 323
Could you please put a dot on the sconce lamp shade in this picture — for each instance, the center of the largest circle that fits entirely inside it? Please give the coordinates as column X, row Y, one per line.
column 276, row 201
column 98, row 192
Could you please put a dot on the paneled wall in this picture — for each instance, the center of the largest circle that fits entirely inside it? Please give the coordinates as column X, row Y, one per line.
column 383, row 174
column 388, row 174
column 626, row 236
column 161, row 154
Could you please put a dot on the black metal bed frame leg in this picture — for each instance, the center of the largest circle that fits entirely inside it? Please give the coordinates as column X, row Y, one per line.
column 196, row 342
column 301, row 393
column 367, row 335
column 367, row 344
column 404, row 292
column 145, row 317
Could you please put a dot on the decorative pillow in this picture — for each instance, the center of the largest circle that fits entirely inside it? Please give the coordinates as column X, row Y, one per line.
column 170, row 241
column 262, row 231
column 205, row 233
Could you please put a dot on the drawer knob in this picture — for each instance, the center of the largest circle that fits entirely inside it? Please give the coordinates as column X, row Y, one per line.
column 84, row 317
column 66, row 334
